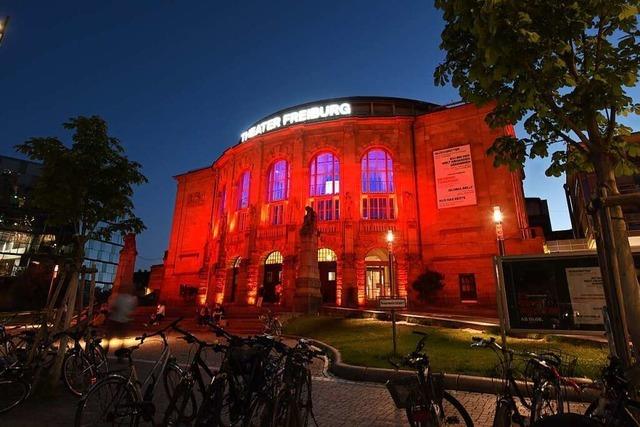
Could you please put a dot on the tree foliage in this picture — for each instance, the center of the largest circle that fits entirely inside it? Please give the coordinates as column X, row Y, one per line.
column 428, row 283
column 562, row 66
column 88, row 186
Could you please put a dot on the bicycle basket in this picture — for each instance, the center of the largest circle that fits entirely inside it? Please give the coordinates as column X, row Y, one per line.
column 401, row 388
column 564, row 362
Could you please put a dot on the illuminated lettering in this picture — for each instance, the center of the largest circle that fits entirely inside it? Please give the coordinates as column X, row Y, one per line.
column 300, row 116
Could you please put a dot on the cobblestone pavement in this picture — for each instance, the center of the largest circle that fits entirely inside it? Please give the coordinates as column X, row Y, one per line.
column 336, row 402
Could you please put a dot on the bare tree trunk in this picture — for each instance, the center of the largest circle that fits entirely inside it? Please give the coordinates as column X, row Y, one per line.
column 70, row 303
column 622, row 251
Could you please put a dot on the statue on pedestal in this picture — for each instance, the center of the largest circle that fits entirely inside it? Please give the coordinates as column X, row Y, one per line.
column 307, row 297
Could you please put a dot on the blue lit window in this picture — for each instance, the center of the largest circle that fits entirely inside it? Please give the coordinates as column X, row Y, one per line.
column 377, row 172
column 278, row 181
column 243, row 190
column 325, row 175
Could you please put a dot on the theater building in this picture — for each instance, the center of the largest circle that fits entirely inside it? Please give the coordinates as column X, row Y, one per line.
column 366, row 165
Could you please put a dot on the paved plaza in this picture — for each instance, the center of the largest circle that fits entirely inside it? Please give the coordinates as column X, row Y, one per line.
column 337, row 402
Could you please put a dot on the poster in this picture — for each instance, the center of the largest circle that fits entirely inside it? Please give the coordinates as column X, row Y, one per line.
column 454, row 177
column 586, row 293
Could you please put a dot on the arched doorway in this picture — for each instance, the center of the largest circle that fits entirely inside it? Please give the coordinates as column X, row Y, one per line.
column 377, row 274
column 327, row 266
column 272, row 282
column 235, row 271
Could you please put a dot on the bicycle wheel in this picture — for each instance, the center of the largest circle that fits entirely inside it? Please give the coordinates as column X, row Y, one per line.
column 171, row 377
column 293, row 407
column 547, row 400
column 568, row 419
column 449, row 412
column 503, row 415
column 111, row 402
column 454, row 412
column 78, row 373
column 182, row 407
column 14, row 392
column 218, row 407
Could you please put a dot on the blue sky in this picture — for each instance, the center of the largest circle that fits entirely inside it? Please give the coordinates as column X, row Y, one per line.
column 178, row 81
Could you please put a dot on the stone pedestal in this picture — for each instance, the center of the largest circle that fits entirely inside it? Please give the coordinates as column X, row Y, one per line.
column 307, row 297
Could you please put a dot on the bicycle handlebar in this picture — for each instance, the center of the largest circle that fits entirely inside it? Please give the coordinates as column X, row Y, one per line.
column 160, row 332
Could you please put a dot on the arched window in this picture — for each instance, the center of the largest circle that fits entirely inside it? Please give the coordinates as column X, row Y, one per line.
column 325, row 175
column 326, row 255
column 243, row 190
column 378, row 201
column 377, row 172
column 324, row 186
column 278, row 181
column 274, row 257
column 243, row 200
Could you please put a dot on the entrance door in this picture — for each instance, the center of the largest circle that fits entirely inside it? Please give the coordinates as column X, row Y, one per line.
column 328, row 281
column 375, row 282
column 235, row 270
column 272, row 282
column 327, row 267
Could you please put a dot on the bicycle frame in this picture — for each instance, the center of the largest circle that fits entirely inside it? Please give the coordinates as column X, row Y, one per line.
column 151, row 381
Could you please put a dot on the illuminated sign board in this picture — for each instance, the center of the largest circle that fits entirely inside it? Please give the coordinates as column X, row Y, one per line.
column 455, row 185
column 294, row 117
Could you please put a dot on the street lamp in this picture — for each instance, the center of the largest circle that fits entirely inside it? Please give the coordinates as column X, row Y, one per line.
column 3, row 27
column 497, row 220
column 390, row 247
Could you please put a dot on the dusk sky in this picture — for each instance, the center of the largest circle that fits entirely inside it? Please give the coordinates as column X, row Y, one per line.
column 179, row 81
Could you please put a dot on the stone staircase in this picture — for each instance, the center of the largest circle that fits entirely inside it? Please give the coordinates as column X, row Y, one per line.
column 237, row 320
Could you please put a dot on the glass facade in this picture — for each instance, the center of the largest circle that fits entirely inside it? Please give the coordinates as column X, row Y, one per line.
column 105, row 256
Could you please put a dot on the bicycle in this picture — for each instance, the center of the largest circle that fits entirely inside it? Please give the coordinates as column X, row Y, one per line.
column 424, row 399
column 615, row 407
column 546, row 394
column 234, row 396
column 183, row 404
column 119, row 399
column 83, row 365
column 271, row 324
column 294, row 405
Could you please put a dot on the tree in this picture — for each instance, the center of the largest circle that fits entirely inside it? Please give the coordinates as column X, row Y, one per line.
column 87, row 188
column 563, row 67
column 427, row 284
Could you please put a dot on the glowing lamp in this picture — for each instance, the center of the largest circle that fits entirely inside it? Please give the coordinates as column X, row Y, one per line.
column 389, row 236
column 497, row 215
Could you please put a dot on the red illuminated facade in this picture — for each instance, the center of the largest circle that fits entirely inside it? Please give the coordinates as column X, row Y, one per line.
column 367, row 168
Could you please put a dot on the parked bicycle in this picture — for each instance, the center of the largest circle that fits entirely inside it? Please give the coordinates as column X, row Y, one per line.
column 84, row 364
column 616, row 407
column 542, row 370
column 247, row 368
column 117, row 399
column 424, row 399
column 185, row 388
column 293, row 406
column 271, row 324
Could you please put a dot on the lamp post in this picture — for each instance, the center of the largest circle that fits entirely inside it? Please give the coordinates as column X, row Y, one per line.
column 3, row 27
column 497, row 220
column 392, row 287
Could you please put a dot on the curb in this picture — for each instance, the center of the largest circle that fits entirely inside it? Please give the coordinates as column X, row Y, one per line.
column 459, row 382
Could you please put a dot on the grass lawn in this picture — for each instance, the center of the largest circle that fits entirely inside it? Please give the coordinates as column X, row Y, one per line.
column 367, row 342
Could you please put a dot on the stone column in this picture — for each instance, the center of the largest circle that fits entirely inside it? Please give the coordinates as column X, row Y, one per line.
column 307, row 298
column 123, row 282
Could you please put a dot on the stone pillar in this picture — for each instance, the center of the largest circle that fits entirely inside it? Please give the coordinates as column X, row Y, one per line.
column 123, row 282
column 307, row 298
